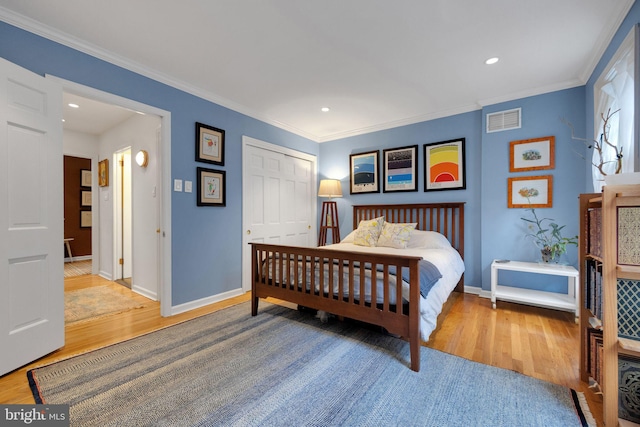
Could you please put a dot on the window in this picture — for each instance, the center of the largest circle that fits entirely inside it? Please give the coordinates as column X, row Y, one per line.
column 614, row 95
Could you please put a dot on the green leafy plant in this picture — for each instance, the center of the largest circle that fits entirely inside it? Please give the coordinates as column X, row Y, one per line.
column 547, row 235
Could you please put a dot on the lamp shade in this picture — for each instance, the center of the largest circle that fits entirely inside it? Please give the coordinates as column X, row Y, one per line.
column 330, row 188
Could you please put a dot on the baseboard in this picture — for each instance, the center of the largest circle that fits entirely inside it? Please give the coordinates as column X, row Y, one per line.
column 78, row 258
column 477, row 291
column 105, row 275
column 145, row 292
column 181, row 308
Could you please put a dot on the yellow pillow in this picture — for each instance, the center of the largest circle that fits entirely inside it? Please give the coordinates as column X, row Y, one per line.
column 396, row 235
column 368, row 232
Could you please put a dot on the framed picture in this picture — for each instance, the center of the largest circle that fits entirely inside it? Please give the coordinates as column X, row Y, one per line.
column 532, row 154
column 364, row 172
column 85, row 178
column 209, row 144
column 85, row 219
column 211, row 187
column 400, row 169
column 444, row 165
column 103, row 173
column 85, row 198
column 530, row 192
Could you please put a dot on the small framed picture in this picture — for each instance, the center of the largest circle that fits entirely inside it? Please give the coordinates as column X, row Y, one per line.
column 103, row 173
column 209, row 144
column 400, row 169
column 211, row 187
column 85, row 198
column 85, row 178
column 85, row 219
column 444, row 165
column 530, row 192
column 532, row 154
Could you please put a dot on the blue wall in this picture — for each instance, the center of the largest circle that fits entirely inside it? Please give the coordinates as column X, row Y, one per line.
column 491, row 229
column 503, row 232
column 334, row 163
column 206, row 241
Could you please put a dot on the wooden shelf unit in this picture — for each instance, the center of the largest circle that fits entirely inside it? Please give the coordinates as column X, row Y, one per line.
column 617, row 267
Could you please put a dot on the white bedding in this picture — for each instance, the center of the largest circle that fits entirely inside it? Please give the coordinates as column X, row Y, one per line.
column 448, row 262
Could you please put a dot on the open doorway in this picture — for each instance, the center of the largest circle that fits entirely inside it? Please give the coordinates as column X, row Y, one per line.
column 146, row 128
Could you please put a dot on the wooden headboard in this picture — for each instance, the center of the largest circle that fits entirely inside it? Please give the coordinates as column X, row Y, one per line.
column 445, row 218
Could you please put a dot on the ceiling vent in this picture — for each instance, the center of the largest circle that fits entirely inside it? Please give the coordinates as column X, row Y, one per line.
column 504, row 120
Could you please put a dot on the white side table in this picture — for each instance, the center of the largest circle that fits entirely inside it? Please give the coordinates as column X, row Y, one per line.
column 568, row 302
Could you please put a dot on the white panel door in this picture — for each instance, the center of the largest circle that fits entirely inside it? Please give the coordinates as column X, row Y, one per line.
column 278, row 203
column 31, row 217
column 295, row 205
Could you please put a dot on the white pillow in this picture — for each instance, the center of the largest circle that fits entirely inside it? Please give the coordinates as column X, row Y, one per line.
column 349, row 238
column 421, row 239
column 395, row 235
column 368, row 232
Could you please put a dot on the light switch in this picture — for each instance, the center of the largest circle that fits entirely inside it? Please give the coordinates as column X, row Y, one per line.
column 177, row 185
column 187, row 187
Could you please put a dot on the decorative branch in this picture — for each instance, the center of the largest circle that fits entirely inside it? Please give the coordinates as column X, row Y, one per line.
column 599, row 145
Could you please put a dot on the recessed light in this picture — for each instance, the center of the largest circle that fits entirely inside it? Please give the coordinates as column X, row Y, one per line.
column 492, row 61
column 324, row 109
column 74, row 106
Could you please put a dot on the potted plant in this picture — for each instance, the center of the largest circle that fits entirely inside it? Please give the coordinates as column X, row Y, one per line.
column 548, row 237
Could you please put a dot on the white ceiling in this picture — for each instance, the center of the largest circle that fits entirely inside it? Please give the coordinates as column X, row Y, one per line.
column 376, row 63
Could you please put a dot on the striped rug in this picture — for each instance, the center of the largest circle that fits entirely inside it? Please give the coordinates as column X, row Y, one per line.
column 285, row 368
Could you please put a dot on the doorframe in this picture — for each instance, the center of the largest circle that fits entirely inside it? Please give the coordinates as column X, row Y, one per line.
column 248, row 141
column 164, row 162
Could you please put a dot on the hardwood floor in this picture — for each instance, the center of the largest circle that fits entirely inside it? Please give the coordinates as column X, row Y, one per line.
column 536, row 342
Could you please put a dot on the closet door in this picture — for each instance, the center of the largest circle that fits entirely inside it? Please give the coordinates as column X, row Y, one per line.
column 278, row 201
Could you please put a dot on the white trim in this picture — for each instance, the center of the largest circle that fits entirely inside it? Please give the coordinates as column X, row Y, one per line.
column 202, row 302
column 164, row 278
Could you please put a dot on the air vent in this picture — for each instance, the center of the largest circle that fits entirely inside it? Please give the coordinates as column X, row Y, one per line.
column 504, row 120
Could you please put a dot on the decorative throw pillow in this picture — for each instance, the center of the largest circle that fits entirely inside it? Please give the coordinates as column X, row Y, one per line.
column 396, row 235
column 368, row 232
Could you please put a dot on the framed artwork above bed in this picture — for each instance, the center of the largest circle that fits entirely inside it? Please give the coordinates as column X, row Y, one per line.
column 364, row 172
column 444, row 165
column 400, row 169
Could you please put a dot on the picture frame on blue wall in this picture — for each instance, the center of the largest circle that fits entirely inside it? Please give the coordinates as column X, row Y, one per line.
column 530, row 191
column 211, row 187
column 364, row 172
column 532, row 154
column 400, row 169
column 209, row 144
column 444, row 165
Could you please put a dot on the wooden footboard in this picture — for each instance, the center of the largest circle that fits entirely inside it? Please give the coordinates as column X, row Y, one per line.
column 335, row 281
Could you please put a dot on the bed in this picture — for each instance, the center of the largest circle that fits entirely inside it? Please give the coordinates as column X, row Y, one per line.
column 395, row 288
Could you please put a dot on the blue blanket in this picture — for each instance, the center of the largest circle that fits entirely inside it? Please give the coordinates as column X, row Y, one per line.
column 429, row 275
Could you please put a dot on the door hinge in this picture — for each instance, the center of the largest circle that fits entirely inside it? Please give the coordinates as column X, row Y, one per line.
column 121, row 261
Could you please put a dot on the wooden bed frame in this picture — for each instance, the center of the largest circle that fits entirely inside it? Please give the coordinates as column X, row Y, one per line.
column 269, row 262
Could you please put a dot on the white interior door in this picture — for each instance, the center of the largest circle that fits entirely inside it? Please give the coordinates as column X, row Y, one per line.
column 31, row 217
column 279, row 199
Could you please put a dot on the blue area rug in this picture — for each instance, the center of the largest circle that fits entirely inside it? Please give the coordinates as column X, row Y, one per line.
column 285, row 368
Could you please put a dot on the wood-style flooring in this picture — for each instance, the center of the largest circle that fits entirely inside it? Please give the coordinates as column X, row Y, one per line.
column 536, row 342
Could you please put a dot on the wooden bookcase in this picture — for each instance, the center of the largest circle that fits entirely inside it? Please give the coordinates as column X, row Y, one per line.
column 612, row 265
